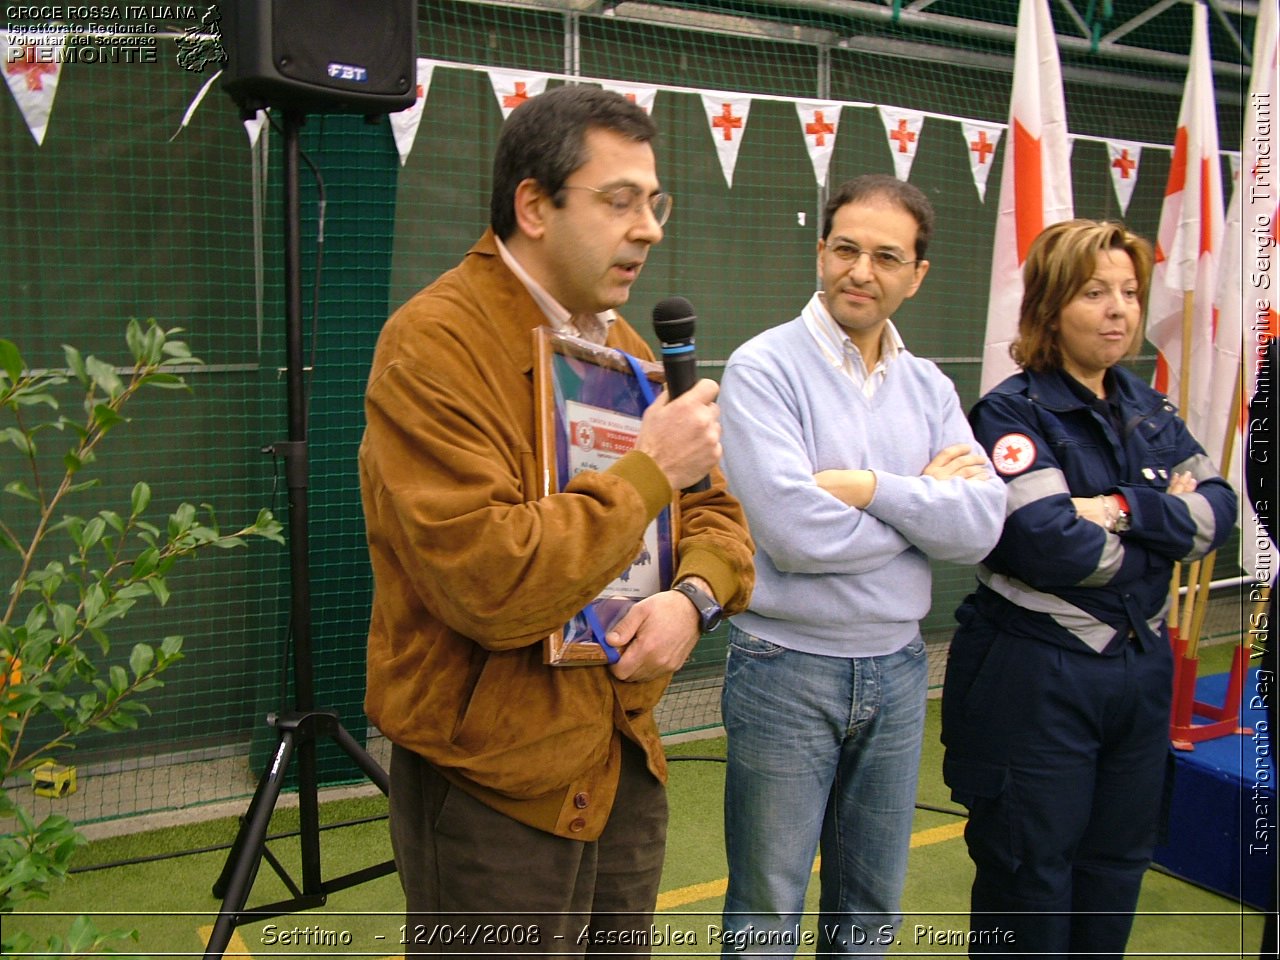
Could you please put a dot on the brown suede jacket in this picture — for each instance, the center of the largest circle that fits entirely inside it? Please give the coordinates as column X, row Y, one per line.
column 472, row 569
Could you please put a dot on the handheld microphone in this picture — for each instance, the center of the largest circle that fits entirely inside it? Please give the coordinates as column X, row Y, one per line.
column 673, row 322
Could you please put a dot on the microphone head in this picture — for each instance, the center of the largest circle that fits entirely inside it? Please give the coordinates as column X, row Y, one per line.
column 674, row 319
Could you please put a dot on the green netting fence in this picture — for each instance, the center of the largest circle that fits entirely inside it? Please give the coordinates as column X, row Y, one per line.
column 131, row 208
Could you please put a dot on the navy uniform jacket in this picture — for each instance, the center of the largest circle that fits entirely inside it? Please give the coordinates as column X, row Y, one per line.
column 1067, row 580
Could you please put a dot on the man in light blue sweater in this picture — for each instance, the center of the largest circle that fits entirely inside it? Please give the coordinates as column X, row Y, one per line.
column 856, row 465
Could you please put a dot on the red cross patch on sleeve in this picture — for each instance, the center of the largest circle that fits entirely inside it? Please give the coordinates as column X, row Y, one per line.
column 1013, row 453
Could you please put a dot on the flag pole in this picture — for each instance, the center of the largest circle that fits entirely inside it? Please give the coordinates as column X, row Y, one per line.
column 1228, row 448
column 1183, row 622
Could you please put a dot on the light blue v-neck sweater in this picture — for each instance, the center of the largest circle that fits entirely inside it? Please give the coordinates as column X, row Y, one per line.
column 832, row 579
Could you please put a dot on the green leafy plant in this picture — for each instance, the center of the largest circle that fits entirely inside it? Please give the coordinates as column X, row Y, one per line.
column 74, row 576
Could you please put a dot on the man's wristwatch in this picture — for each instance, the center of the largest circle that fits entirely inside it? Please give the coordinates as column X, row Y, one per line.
column 709, row 612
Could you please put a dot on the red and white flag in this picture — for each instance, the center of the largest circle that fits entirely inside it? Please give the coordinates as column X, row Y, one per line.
column 902, row 127
column 1123, row 158
column 1246, row 310
column 819, row 122
column 982, row 140
column 514, row 87
column 1035, row 183
column 404, row 123
column 32, row 67
column 640, row 94
column 1188, row 245
column 727, row 120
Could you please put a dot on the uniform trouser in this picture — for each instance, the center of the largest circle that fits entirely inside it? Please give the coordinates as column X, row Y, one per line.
column 476, row 881
column 1062, row 758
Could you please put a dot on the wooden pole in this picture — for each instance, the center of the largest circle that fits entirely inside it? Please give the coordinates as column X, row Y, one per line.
column 1184, row 394
column 1228, row 448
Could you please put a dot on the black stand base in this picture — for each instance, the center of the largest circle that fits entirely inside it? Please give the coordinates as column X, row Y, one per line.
column 299, row 728
column 298, row 733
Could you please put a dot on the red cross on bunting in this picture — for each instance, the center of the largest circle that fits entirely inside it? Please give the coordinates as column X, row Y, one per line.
column 819, row 128
column 727, row 121
column 1124, row 163
column 27, row 64
column 904, row 137
column 515, row 99
column 982, row 146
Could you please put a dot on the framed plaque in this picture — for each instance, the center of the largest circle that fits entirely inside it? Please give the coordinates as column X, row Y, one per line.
column 590, row 401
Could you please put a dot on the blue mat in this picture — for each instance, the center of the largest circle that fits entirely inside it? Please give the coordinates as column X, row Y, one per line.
column 1222, row 819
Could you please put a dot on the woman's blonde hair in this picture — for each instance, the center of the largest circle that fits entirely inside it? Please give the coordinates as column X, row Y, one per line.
column 1060, row 262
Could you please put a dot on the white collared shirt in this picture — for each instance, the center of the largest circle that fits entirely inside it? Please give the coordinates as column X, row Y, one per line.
column 842, row 353
column 593, row 327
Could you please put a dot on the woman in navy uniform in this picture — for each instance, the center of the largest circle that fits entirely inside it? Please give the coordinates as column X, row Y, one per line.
column 1056, row 703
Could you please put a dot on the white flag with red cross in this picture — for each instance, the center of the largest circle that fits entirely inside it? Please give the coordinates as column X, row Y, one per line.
column 902, row 127
column 1188, row 244
column 819, row 122
column 640, row 94
column 1246, row 311
column 1035, row 181
column 514, row 87
column 982, row 140
column 1123, row 158
column 404, row 123
column 32, row 67
column 727, row 121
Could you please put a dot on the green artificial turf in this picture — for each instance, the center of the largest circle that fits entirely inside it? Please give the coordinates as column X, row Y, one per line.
column 169, row 901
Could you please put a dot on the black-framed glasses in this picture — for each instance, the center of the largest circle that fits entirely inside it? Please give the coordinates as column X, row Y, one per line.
column 882, row 261
column 629, row 200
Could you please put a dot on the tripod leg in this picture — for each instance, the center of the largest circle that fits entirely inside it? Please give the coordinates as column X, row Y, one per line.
column 246, row 854
column 366, row 763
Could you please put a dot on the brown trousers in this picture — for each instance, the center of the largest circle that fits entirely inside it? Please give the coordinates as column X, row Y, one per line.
column 476, row 881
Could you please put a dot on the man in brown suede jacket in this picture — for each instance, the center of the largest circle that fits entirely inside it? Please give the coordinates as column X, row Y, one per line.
column 529, row 793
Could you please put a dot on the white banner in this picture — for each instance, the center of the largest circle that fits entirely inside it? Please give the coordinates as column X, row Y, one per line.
column 32, row 67
column 1123, row 158
column 727, row 121
column 982, row 140
column 638, row 93
column 514, row 87
column 902, row 127
column 404, row 124
column 818, row 123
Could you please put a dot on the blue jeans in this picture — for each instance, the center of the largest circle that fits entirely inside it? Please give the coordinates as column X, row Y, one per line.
column 823, row 752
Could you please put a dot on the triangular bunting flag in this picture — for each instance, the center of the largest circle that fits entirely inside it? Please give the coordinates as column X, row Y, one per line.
column 727, row 120
column 639, row 94
column 818, row 123
column 902, row 127
column 253, row 127
column 404, row 124
column 32, row 67
column 1180, row 310
column 514, row 87
column 1122, row 158
column 982, row 140
column 1035, row 179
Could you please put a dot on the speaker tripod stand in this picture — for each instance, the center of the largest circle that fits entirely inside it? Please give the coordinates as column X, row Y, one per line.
column 301, row 727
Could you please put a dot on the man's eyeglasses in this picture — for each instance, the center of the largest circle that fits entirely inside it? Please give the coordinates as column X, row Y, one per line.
column 629, row 200
column 882, row 261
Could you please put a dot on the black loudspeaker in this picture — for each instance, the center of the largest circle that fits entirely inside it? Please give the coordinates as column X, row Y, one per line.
column 321, row 56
